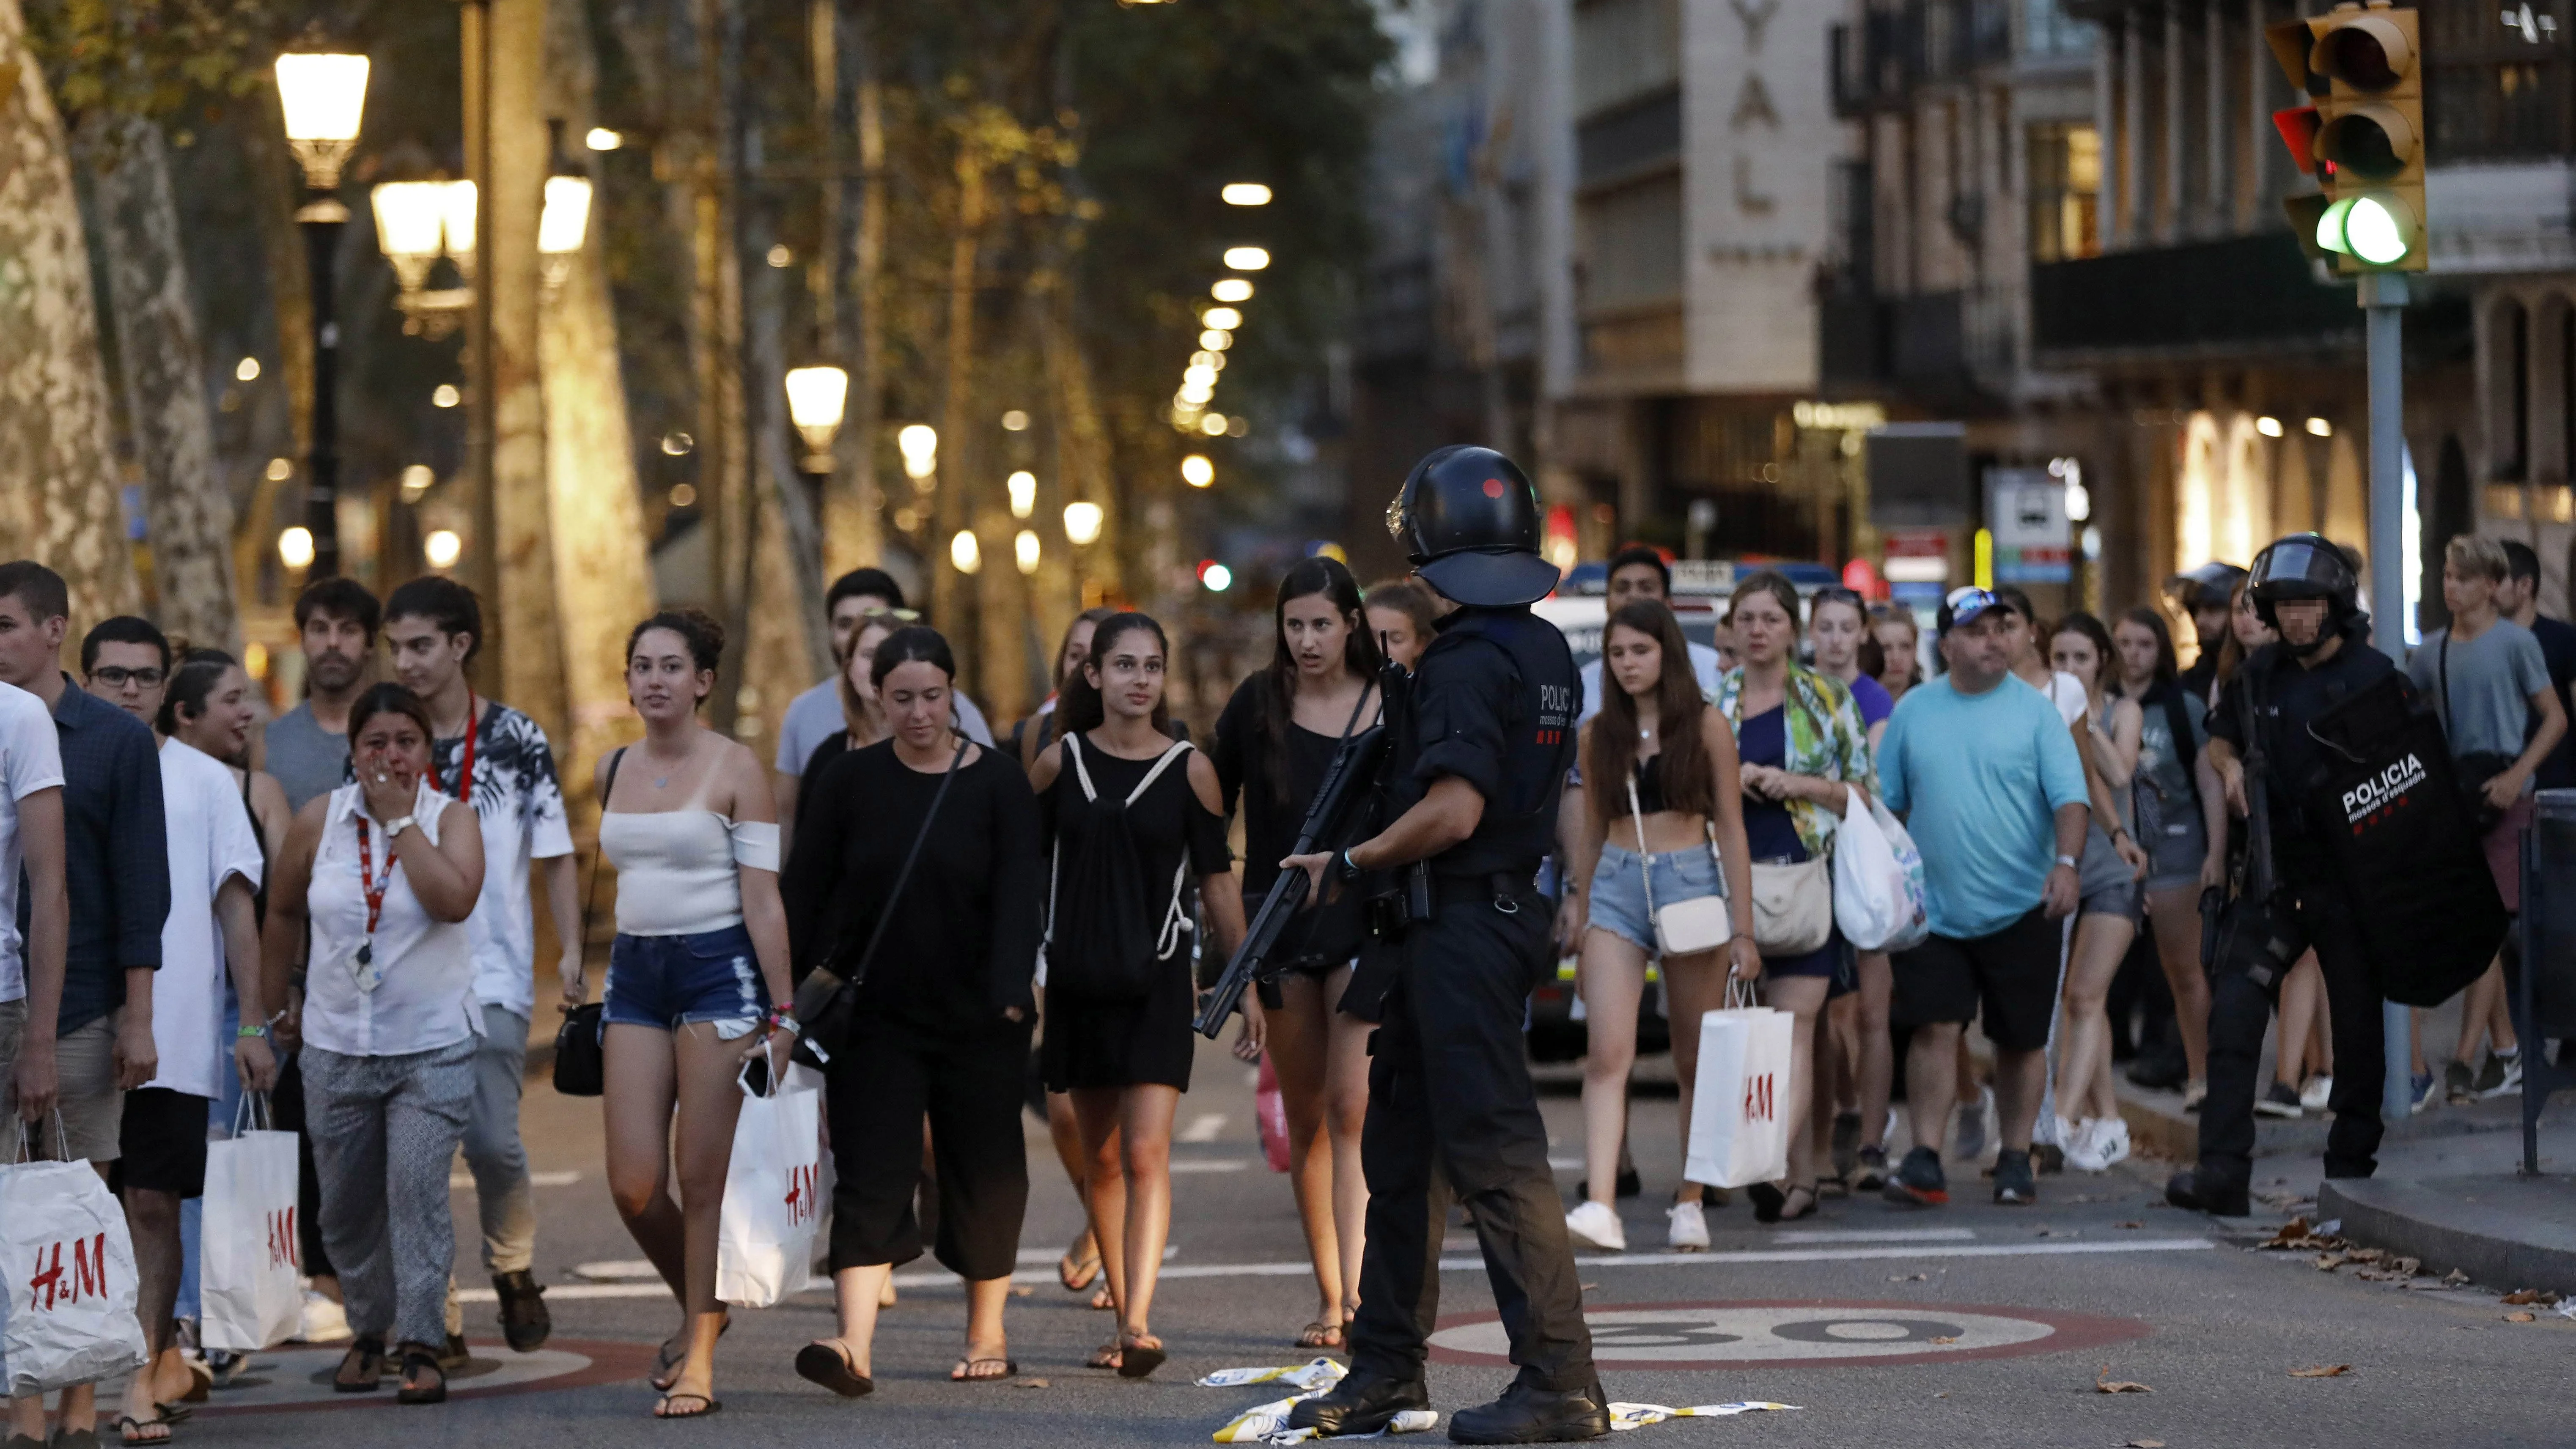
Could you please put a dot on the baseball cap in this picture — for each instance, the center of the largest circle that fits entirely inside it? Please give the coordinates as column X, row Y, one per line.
column 1964, row 605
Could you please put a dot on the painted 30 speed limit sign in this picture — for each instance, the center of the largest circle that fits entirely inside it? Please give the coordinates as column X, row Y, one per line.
column 1800, row 1334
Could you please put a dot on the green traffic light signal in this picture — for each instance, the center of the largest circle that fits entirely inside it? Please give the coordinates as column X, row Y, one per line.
column 2374, row 228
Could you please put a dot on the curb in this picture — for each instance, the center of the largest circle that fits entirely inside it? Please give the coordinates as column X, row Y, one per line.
column 2158, row 1125
column 2504, row 1232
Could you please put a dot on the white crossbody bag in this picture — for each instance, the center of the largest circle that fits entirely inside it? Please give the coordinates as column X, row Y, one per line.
column 1684, row 928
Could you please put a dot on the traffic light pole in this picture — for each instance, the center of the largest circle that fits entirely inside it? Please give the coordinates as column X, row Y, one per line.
column 2383, row 303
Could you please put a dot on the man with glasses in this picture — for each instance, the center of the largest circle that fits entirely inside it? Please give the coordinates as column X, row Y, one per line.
column 1990, row 784
column 816, row 714
column 116, row 869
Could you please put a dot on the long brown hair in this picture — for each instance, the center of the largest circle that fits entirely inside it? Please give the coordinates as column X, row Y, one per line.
column 2231, row 654
column 1690, row 782
column 1326, row 576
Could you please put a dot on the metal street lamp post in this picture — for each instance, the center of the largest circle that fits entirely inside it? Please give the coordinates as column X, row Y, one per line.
column 323, row 96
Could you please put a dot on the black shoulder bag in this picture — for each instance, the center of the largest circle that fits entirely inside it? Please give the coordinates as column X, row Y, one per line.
column 581, row 1067
column 2477, row 767
column 827, row 1000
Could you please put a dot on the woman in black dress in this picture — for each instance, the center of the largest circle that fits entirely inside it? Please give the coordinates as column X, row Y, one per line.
column 1273, row 744
column 1132, row 815
column 944, row 1008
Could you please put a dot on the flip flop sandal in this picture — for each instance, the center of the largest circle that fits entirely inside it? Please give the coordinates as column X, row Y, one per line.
column 1107, row 1356
column 415, row 1359
column 1320, row 1334
column 1102, row 1300
column 829, row 1365
column 965, row 1373
column 174, row 1411
column 362, row 1368
column 1077, row 1276
column 666, row 1359
column 1137, row 1358
column 662, row 1410
column 1794, row 1208
column 130, row 1429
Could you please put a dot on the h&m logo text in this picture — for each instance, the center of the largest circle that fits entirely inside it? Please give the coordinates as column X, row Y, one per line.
column 88, row 1280
column 1758, row 1103
column 803, row 1186
column 281, row 1238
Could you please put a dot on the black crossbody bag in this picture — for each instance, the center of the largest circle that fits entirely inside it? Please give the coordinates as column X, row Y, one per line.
column 2476, row 767
column 827, row 1000
column 581, row 1065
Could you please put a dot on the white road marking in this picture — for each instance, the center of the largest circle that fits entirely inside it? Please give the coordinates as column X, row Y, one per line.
column 535, row 1179
column 1210, row 1164
column 1203, row 1128
column 616, row 1270
column 572, row 1291
column 1565, row 1164
column 1876, row 1235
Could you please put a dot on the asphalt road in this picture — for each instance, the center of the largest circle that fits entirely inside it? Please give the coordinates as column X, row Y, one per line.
column 1973, row 1325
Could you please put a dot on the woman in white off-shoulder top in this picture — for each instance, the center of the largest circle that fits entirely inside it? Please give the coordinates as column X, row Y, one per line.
column 687, row 818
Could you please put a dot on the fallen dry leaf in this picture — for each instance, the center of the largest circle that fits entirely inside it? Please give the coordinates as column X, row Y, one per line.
column 1035, row 1384
column 2456, row 1277
column 1947, row 1338
column 2325, row 1371
column 2103, row 1383
column 1911, row 1278
column 2290, row 1233
column 2526, row 1316
column 1588, row 1287
column 2128, row 1225
column 1945, row 1393
column 1022, row 1290
column 2143, row 1444
column 2328, row 1262
column 2521, row 1296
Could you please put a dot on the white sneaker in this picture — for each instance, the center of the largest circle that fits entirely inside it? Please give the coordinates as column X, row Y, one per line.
column 1595, row 1226
column 2110, row 1141
column 1689, row 1227
column 324, row 1321
column 2318, row 1091
column 2077, row 1141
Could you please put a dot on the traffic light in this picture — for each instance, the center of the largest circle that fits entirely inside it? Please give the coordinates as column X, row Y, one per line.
column 2362, row 137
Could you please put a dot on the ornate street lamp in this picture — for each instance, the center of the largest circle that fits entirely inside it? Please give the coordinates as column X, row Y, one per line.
column 417, row 222
column 322, row 97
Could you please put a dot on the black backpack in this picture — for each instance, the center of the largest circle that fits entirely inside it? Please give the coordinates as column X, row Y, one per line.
column 1099, row 946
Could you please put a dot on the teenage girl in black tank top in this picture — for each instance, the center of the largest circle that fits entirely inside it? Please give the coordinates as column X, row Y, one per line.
column 1126, row 1062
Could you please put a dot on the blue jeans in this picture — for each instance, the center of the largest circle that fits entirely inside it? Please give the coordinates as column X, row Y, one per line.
column 668, row 982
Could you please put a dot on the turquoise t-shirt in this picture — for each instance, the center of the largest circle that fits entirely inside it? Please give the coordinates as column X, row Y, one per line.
column 1979, row 779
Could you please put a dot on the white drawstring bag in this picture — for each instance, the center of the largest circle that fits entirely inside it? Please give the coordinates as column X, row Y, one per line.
column 1878, row 879
column 68, row 1315
column 248, row 1293
column 1739, row 1132
column 775, row 1189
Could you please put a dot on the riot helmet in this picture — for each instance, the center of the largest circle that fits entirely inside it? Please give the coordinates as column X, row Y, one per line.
column 2305, row 566
column 1468, row 521
column 2210, row 586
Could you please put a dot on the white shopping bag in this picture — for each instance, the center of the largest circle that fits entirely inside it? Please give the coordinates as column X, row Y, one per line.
column 1739, row 1101
column 68, row 1316
column 1878, row 879
column 774, row 1192
column 247, row 1286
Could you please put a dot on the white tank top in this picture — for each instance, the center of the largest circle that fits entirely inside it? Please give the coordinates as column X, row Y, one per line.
column 676, row 869
column 425, row 997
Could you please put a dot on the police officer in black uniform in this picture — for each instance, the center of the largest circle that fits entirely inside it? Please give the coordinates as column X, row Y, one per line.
column 2305, row 588
column 1452, row 1115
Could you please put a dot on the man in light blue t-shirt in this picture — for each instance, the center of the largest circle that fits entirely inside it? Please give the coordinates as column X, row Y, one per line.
column 1986, row 774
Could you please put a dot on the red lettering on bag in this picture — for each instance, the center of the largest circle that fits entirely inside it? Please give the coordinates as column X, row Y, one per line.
column 282, row 1239
column 1757, row 1098
column 89, row 1274
column 802, row 1185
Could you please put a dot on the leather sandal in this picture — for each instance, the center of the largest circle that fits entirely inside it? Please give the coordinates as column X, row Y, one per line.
column 424, row 1379
column 362, row 1368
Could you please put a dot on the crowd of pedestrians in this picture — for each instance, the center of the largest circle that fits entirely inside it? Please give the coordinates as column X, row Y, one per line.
column 339, row 912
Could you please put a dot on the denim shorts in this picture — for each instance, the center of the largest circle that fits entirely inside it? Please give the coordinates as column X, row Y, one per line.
column 1619, row 888
column 671, row 981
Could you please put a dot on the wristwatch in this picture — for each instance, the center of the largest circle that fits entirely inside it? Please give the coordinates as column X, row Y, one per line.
column 2067, row 861
column 397, row 827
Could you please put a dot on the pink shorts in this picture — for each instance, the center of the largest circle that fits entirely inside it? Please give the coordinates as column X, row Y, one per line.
column 2504, row 850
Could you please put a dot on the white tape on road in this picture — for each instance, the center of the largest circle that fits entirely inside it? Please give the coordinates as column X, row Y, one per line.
column 1171, row 1271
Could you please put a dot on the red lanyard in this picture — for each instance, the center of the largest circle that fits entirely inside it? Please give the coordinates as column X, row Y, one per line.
column 371, row 885
column 465, row 762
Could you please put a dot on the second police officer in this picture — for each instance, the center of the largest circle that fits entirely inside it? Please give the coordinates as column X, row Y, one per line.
column 1473, row 787
column 2304, row 587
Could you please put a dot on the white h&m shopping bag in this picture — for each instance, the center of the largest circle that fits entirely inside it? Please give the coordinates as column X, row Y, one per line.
column 68, row 1315
column 247, row 1286
column 1739, row 1132
column 775, row 1189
